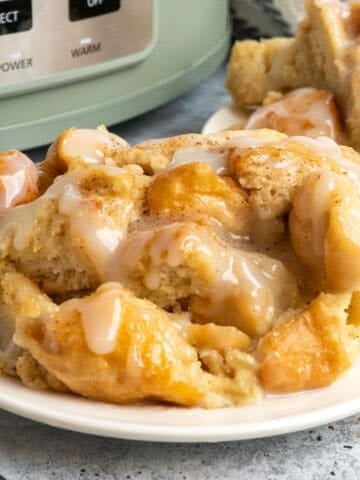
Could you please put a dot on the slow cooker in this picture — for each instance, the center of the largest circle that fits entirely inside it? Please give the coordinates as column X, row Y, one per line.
column 85, row 62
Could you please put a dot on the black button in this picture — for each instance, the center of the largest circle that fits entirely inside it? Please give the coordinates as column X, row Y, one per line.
column 80, row 9
column 15, row 16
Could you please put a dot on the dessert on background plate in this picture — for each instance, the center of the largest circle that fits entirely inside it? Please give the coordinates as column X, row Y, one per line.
column 200, row 270
column 306, row 85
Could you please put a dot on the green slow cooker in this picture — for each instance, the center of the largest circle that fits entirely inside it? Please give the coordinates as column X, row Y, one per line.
column 85, row 62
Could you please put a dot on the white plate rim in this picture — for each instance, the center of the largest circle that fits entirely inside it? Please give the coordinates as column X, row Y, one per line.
column 15, row 397
column 225, row 117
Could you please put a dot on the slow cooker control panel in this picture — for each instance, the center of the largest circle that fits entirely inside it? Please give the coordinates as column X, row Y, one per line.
column 40, row 38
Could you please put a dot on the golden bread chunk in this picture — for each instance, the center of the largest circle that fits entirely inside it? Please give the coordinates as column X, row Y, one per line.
column 114, row 347
column 325, row 54
column 77, row 147
column 248, row 68
column 65, row 239
column 195, row 188
column 324, row 230
column 187, row 262
column 309, row 349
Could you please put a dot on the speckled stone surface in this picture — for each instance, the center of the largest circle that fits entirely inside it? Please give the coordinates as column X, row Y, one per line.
column 30, row 451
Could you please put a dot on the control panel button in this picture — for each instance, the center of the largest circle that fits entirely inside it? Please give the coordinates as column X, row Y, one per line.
column 81, row 9
column 15, row 16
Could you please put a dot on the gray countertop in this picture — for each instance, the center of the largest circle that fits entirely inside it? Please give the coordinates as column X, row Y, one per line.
column 30, row 451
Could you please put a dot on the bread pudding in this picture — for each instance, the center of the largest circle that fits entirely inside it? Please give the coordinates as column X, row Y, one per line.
column 197, row 270
column 306, row 85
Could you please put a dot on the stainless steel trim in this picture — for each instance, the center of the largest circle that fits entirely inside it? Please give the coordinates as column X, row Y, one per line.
column 55, row 44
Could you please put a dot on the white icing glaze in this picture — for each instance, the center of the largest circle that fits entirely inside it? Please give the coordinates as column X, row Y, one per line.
column 164, row 245
column 95, row 227
column 101, row 316
column 243, row 142
column 327, row 147
column 217, row 161
column 19, row 223
column 101, row 236
column 321, row 145
column 18, row 180
column 261, row 281
column 313, row 202
column 305, row 111
column 89, row 146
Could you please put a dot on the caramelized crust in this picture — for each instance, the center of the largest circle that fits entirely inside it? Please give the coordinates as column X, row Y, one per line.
column 309, row 349
column 150, row 358
column 196, row 189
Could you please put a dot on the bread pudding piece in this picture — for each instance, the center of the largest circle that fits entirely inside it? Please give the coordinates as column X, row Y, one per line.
column 210, row 294
column 79, row 147
column 18, row 180
column 268, row 166
column 324, row 54
column 249, row 67
column 65, row 239
column 270, row 171
column 325, row 232
column 304, row 111
column 310, row 348
column 114, row 347
column 76, row 147
column 225, row 285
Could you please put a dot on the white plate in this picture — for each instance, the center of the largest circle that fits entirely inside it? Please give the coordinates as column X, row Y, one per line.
column 272, row 415
column 224, row 118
